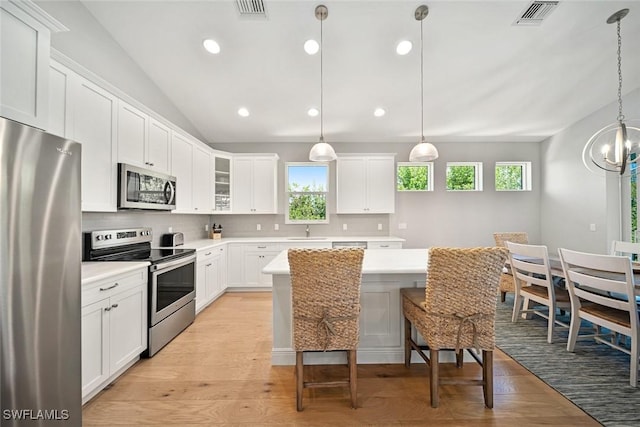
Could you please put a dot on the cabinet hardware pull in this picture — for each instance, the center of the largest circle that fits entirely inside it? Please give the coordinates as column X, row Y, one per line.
column 384, row 246
column 262, row 247
column 114, row 306
column 107, row 309
column 208, row 253
column 110, row 287
column 151, row 164
column 209, row 265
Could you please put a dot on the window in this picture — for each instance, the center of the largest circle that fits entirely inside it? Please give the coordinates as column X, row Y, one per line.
column 415, row 177
column 513, row 176
column 464, row 176
column 307, row 185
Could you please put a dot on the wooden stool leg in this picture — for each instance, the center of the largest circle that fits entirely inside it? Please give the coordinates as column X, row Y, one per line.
column 503, row 296
column 459, row 358
column 407, row 342
column 487, row 377
column 433, row 357
column 353, row 378
column 299, row 380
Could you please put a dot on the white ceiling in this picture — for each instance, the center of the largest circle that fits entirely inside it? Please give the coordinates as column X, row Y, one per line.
column 484, row 78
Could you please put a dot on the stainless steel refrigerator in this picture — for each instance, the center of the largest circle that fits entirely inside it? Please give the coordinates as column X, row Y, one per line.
column 40, row 248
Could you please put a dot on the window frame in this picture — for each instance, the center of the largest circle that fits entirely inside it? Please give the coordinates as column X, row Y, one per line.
column 477, row 175
column 287, row 193
column 526, row 174
column 428, row 165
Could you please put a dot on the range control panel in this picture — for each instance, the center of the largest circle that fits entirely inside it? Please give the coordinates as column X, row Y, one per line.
column 111, row 238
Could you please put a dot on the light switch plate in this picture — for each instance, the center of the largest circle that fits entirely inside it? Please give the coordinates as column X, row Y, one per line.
column 344, row 227
column 258, row 227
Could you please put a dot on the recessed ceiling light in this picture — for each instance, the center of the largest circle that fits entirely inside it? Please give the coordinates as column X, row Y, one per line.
column 311, row 47
column 404, row 47
column 211, row 45
column 379, row 112
column 243, row 112
column 313, row 112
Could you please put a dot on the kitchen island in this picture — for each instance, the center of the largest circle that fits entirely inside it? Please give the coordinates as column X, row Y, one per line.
column 384, row 272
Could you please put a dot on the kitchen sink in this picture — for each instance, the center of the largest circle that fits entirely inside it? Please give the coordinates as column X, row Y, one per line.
column 306, row 238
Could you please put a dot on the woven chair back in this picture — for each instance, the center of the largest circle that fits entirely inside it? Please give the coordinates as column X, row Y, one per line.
column 325, row 294
column 460, row 297
column 512, row 236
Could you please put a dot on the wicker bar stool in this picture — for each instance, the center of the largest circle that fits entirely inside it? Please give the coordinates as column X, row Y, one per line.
column 506, row 279
column 325, row 295
column 457, row 311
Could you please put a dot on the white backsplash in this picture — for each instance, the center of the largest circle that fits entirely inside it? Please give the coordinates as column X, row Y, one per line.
column 233, row 225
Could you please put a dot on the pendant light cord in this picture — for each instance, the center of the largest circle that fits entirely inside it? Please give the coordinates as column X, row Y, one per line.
column 620, row 115
column 421, row 85
column 321, row 87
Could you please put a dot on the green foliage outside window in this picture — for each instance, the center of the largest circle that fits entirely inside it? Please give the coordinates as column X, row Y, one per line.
column 634, row 197
column 461, row 177
column 509, row 177
column 412, row 178
column 307, row 203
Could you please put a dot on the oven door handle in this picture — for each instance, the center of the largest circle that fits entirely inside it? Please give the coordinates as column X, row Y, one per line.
column 172, row 264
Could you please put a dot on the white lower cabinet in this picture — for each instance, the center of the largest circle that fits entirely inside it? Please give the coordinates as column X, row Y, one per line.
column 246, row 262
column 114, row 328
column 211, row 275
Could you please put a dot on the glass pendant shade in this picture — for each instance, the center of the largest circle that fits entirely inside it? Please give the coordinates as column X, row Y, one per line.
column 322, row 152
column 423, row 152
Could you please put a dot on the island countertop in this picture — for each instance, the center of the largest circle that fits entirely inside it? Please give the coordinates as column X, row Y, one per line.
column 376, row 261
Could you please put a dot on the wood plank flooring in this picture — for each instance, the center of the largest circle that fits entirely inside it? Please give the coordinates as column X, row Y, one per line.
column 218, row 372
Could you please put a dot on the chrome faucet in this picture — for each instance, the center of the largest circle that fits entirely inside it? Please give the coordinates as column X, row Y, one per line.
column 307, row 231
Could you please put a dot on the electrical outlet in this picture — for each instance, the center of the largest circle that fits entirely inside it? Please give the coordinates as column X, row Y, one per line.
column 258, row 227
column 344, row 227
column 276, row 227
column 170, row 229
column 402, row 226
column 592, row 227
column 379, row 226
column 206, row 227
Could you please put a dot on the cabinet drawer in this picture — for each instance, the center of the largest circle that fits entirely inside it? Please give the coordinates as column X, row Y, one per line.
column 209, row 253
column 384, row 245
column 113, row 285
column 262, row 247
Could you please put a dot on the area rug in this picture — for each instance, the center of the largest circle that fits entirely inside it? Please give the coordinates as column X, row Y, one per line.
column 595, row 377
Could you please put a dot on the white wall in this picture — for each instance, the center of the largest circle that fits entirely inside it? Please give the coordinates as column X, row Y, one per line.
column 572, row 196
column 88, row 44
column 434, row 218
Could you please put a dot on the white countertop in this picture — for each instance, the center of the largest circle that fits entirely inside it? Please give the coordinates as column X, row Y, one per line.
column 376, row 261
column 94, row 271
column 211, row 243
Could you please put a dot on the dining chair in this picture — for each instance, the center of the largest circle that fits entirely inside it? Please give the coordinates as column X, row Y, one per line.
column 506, row 279
column 534, row 287
column 593, row 281
column 456, row 311
column 325, row 296
column 622, row 248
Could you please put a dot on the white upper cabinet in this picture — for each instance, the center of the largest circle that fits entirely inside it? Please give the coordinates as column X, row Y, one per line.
column 365, row 184
column 202, row 195
column 133, row 132
column 158, row 152
column 25, row 33
column 221, row 166
column 142, row 140
column 254, row 184
column 87, row 113
column 94, row 126
column 182, row 169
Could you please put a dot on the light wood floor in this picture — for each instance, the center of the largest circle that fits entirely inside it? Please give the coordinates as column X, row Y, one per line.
column 218, row 372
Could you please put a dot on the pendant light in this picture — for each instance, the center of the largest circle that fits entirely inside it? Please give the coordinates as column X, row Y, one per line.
column 424, row 151
column 609, row 149
column 322, row 151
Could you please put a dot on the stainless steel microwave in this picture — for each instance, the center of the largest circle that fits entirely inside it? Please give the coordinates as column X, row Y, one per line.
column 140, row 188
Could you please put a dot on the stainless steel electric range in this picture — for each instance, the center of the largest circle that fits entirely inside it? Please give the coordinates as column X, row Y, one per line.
column 171, row 278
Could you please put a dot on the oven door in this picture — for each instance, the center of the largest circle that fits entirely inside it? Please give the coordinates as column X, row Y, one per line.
column 172, row 286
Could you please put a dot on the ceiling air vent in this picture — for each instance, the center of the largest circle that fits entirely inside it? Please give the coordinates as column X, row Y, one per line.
column 251, row 8
column 536, row 12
